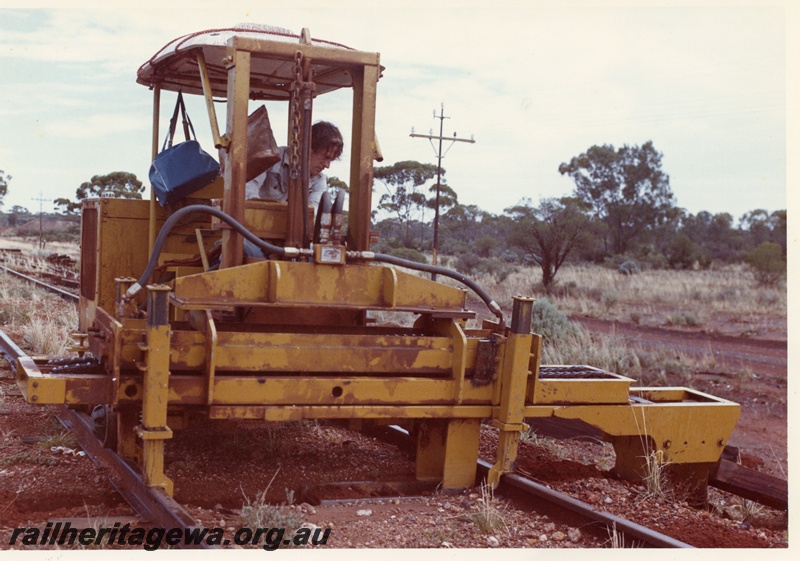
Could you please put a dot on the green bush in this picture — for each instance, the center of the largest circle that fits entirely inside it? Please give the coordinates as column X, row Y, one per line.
column 682, row 252
column 551, row 323
column 767, row 263
column 467, row 263
column 485, row 245
column 408, row 254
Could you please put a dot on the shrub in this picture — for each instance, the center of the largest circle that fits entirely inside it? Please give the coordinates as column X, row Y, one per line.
column 629, row 268
column 682, row 252
column 467, row 263
column 408, row 254
column 498, row 269
column 551, row 323
column 767, row 263
column 485, row 245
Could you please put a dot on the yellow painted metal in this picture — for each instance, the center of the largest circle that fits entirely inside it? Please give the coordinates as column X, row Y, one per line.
column 513, row 381
column 219, row 142
column 365, row 81
column 336, row 57
column 312, row 353
column 447, row 451
column 154, row 150
column 284, row 340
column 265, row 219
column 154, row 430
column 534, row 363
column 297, row 283
column 393, row 413
column 615, row 389
column 38, row 388
column 236, row 155
column 685, row 431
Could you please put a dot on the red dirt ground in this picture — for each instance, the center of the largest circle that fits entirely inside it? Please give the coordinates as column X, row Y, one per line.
column 219, row 467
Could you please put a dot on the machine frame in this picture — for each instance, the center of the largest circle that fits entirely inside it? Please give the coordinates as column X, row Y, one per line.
column 293, row 336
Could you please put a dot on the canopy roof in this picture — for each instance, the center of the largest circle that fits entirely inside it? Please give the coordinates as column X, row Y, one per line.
column 175, row 66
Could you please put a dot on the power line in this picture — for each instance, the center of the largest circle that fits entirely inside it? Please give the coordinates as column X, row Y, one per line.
column 439, row 155
column 41, row 226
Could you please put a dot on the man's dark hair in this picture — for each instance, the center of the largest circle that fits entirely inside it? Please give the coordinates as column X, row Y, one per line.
column 326, row 138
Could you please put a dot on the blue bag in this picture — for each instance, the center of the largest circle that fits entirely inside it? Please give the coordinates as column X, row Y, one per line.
column 184, row 168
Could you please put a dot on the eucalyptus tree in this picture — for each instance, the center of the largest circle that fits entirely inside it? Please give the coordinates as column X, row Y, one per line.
column 626, row 188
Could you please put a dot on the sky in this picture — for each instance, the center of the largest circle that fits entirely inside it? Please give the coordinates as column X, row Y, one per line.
column 535, row 83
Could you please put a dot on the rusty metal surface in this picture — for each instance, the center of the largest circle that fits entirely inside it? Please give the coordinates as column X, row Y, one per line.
column 152, row 504
column 69, row 296
column 574, row 371
column 537, row 491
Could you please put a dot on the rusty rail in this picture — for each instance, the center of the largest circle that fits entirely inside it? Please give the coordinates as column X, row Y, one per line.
column 153, row 505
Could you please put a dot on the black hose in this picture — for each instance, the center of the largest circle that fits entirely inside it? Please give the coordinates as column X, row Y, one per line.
column 170, row 223
column 324, row 208
column 424, row 267
column 338, row 205
column 268, row 248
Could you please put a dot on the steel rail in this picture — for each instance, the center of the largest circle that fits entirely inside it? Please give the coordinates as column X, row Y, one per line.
column 69, row 296
column 612, row 522
column 155, row 501
column 525, row 488
column 153, row 505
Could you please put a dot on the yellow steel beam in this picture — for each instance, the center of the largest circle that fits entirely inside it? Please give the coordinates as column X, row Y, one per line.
column 685, row 432
column 333, row 55
column 578, row 390
column 297, row 413
column 365, row 81
column 310, row 353
column 236, row 154
column 447, row 451
column 154, row 430
column 219, row 141
column 513, row 381
column 297, row 283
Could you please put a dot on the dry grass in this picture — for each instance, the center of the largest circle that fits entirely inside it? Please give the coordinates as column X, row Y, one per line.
column 488, row 516
column 678, row 297
column 30, row 246
column 30, row 311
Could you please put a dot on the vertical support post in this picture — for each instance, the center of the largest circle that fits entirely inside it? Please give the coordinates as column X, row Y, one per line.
column 211, row 355
column 236, row 154
column 365, row 80
column 219, row 142
column 154, row 152
column 447, row 451
column 154, row 430
column 513, row 380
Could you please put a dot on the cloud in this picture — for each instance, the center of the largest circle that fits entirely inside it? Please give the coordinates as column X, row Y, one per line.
column 94, row 126
column 535, row 83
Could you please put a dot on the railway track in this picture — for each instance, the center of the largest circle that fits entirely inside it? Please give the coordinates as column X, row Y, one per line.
column 152, row 505
column 158, row 509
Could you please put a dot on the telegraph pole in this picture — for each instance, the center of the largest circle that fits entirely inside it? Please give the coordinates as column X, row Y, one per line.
column 439, row 155
column 41, row 227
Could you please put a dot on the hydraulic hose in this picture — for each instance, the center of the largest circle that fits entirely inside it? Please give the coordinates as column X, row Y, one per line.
column 268, row 248
column 338, row 204
column 170, row 223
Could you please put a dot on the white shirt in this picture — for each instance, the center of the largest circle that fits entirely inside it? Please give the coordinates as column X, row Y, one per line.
column 273, row 184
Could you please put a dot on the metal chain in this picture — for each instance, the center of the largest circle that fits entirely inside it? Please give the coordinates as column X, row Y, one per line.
column 294, row 142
